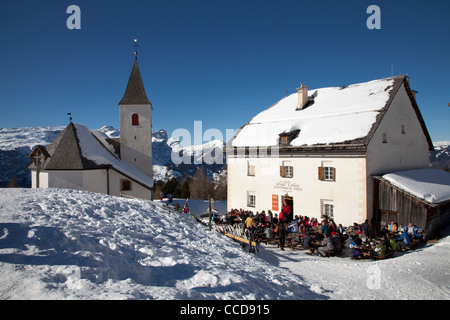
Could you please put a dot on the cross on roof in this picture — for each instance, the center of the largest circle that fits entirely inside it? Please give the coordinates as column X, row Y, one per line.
column 135, row 47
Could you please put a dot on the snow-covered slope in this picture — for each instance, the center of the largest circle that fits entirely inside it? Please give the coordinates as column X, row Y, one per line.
column 64, row 244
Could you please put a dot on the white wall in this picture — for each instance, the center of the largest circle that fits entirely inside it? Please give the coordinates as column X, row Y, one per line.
column 402, row 151
column 136, row 141
column 347, row 193
column 89, row 180
column 137, row 190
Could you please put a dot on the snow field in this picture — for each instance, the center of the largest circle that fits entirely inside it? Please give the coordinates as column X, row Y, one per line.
column 66, row 244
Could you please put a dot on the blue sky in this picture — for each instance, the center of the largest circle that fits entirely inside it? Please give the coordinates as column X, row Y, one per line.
column 219, row 62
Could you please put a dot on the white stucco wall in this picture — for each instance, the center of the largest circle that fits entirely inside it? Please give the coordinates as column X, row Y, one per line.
column 401, row 151
column 136, row 141
column 347, row 193
column 90, row 180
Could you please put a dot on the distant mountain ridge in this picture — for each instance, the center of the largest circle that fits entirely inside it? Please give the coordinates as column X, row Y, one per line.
column 16, row 144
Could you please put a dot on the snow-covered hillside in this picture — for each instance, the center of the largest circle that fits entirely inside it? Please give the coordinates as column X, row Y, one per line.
column 64, row 244
column 16, row 144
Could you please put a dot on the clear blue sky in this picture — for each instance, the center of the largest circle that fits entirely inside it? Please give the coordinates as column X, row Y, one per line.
column 221, row 62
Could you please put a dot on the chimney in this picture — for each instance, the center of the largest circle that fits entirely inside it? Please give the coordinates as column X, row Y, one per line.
column 302, row 97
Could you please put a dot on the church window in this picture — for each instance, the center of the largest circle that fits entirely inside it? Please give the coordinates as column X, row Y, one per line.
column 135, row 119
column 125, row 185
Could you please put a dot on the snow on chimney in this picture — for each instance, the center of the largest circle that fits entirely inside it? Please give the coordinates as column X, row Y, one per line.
column 302, row 97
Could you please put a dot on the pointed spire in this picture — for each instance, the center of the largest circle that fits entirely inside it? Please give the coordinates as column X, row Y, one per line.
column 135, row 92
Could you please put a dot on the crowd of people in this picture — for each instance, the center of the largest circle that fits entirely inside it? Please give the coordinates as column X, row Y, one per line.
column 323, row 237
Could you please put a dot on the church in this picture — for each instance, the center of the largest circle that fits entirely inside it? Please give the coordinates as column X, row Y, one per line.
column 319, row 150
column 84, row 159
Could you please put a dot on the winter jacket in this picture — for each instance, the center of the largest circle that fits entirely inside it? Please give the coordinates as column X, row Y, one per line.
column 337, row 241
column 365, row 228
column 281, row 232
column 307, row 241
column 328, row 244
column 404, row 237
column 380, row 249
column 325, row 229
column 249, row 222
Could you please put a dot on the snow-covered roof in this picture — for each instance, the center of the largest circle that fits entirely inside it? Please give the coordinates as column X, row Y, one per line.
column 92, row 149
column 78, row 148
column 431, row 185
column 338, row 115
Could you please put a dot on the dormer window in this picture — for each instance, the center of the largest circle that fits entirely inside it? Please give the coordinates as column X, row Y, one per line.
column 287, row 137
column 135, row 119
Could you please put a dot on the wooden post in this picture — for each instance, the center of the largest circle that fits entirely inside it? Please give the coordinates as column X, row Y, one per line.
column 209, row 213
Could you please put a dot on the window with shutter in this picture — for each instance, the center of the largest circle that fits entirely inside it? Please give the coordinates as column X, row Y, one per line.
column 327, row 174
column 321, row 174
column 287, row 170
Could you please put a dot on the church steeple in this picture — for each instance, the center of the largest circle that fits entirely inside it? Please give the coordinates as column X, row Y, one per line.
column 136, row 123
column 135, row 92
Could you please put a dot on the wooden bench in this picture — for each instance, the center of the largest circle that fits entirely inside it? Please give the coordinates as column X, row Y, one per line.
column 232, row 236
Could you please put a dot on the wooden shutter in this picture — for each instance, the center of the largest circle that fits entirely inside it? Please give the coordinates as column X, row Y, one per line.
column 282, row 174
column 321, row 173
column 333, row 170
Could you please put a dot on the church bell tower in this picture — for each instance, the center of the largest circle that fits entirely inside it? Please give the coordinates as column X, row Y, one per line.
column 136, row 123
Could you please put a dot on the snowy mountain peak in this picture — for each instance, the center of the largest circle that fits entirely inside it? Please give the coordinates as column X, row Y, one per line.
column 17, row 143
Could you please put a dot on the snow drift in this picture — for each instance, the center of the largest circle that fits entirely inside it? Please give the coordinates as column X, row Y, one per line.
column 65, row 244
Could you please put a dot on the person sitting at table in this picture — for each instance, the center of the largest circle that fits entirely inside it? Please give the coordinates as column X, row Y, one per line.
column 336, row 238
column 269, row 232
column 318, row 236
column 413, row 231
column 384, row 231
column 307, row 241
column 379, row 250
column 392, row 226
column 327, row 247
